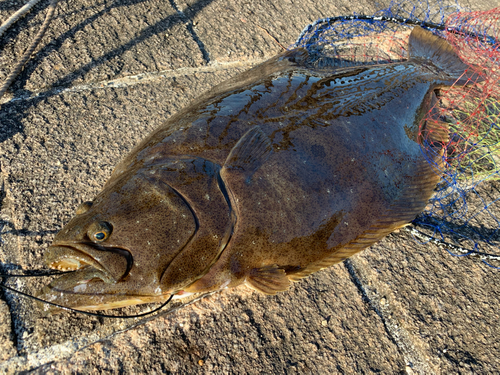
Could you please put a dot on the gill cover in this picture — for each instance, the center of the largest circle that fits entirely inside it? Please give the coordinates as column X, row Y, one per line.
column 198, row 182
column 153, row 231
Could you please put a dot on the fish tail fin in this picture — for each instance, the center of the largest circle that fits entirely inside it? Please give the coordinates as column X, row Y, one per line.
column 425, row 45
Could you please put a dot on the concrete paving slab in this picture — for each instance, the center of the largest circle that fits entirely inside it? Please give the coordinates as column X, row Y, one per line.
column 255, row 29
column 7, row 349
column 101, row 40
column 86, row 100
column 444, row 306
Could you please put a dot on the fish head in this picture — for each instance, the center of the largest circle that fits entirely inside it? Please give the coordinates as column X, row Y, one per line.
column 122, row 243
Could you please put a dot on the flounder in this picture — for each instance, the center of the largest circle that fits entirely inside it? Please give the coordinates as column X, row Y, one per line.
column 275, row 174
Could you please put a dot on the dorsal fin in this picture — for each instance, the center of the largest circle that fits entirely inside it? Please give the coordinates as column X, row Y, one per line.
column 298, row 56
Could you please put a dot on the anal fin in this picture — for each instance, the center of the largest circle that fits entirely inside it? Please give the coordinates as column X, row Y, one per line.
column 401, row 211
column 269, row 279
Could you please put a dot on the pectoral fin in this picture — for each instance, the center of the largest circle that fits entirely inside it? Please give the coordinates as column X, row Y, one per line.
column 269, row 279
column 248, row 155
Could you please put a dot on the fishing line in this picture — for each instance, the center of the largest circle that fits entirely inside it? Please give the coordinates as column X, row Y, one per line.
column 37, row 274
column 417, row 234
column 87, row 312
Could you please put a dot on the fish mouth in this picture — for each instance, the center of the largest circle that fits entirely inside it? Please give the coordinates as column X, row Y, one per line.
column 97, row 280
column 84, row 289
column 111, row 264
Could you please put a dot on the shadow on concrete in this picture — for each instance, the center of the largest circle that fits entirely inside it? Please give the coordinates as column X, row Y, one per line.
column 459, row 235
column 6, row 227
column 12, row 113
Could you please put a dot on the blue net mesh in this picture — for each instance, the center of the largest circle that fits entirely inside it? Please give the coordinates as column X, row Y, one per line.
column 464, row 214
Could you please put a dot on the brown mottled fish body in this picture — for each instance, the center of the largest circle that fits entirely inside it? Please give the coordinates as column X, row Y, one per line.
column 274, row 174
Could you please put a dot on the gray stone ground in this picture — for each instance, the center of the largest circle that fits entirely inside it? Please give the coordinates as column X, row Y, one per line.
column 106, row 75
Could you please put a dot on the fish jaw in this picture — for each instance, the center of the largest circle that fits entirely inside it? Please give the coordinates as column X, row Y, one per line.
column 84, row 289
column 64, row 258
column 91, row 286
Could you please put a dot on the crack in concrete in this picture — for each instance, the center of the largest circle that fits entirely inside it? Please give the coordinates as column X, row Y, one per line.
column 5, row 217
column 416, row 361
column 5, row 202
column 41, row 357
column 190, row 26
column 137, row 79
column 32, row 361
column 15, row 338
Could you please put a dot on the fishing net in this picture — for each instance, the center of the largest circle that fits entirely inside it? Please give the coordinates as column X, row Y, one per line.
column 463, row 216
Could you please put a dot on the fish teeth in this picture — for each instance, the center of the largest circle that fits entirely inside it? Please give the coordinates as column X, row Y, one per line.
column 59, row 267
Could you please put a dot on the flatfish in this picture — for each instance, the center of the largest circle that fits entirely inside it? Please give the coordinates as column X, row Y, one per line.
column 275, row 174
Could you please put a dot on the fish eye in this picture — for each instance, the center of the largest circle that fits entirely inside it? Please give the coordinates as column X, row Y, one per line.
column 99, row 236
column 99, row 232
column 84, row 207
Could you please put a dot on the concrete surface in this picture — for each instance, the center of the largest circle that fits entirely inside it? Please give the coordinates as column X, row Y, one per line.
column 107, row 74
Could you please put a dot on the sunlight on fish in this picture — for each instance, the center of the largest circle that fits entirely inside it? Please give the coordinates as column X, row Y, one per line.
column 275, row 174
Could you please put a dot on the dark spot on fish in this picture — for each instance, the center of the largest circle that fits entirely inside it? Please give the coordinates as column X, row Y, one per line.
column 318, row 151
